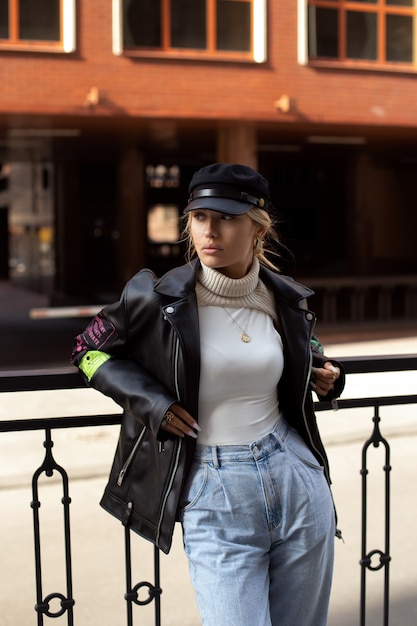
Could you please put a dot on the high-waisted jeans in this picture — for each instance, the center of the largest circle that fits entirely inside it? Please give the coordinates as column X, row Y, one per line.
column 258, row 523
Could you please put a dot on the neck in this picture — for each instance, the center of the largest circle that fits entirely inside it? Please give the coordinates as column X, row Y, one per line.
column 236, row 272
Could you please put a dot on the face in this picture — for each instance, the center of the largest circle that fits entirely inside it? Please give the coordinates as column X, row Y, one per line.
column 224, row 242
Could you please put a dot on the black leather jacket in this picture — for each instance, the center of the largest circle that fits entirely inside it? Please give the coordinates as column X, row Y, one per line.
column 152, row 335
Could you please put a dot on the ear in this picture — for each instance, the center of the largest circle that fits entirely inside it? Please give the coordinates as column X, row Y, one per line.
column 260, row 232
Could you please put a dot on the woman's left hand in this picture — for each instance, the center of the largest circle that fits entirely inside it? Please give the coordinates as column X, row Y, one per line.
column 324, row 378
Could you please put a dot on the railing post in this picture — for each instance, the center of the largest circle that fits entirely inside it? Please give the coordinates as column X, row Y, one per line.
column 42, row 606
column 132, row 594
column 384, row 557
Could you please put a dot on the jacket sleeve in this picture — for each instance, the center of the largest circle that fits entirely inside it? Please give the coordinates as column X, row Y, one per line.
column 101, row 353
column 319, row 359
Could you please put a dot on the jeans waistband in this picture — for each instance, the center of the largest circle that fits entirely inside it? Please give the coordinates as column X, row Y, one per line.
column 243, row 452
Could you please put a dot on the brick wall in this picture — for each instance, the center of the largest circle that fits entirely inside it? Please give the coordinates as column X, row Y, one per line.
column 58, row 83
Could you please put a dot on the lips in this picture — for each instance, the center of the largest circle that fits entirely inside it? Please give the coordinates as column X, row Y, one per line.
column 210, row 249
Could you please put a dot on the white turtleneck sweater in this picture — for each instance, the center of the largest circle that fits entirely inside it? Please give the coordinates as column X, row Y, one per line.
column 238, row 401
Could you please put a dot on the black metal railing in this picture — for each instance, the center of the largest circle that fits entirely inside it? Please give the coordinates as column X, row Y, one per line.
column 376, row 364
column 370, row 560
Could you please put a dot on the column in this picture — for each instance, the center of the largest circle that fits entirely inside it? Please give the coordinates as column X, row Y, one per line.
column 237, row 143
column 132, row 213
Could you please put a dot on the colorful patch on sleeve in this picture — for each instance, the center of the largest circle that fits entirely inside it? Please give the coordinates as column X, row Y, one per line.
column 91, row 362
column 99, row 334
column 316, row 344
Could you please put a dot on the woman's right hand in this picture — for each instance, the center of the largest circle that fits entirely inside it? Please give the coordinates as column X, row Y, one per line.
column 178, row 421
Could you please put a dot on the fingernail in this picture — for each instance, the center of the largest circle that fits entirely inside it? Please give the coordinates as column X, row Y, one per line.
column 192, row 434
column 196, row 427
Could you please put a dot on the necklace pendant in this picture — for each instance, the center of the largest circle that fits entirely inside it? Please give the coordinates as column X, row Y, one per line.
column 245, row 338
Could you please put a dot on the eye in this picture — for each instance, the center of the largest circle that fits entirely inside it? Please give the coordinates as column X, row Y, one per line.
column 226, row 216
column 198, row 215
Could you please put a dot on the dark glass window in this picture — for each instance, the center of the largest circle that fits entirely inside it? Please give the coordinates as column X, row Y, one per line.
column 188, row 24
column 233, row 25
column 4, row 19
column 323, row 33
column 361, row 35
column 205, row 26
column 39, row 20
column 142, row 23
column 31, row 22
column 400, row 3
column 370, row 31
column 399, row 44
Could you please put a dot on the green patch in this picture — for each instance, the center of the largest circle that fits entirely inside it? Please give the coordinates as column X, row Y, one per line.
column 91, row 361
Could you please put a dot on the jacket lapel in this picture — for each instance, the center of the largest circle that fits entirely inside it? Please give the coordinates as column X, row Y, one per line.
column 181, row 311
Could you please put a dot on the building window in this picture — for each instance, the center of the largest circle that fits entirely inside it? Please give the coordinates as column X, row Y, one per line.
column 38, row 24
column 230, row 28
column 376, row 32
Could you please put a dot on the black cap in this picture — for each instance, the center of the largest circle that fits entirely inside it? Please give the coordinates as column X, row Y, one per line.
column 228, row 188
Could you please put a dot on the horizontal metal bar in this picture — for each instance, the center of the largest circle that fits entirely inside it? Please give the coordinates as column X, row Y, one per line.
column 356, row 403
column 41, row 380
column 7, row 426
column 379, row 363
column 69, row 378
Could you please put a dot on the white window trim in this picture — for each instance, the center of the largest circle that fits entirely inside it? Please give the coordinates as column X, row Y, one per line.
column 259, row 29
column 69, row 35
column 117, row 27
column 302, row 25
column 69, row 25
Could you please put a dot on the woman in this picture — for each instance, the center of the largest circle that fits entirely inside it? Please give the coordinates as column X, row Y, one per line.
column 213, row 364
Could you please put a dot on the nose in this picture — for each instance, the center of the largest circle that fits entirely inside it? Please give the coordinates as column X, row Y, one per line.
column 210, row 230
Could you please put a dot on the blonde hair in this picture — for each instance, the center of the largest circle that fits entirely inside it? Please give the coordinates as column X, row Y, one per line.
column 262, row 246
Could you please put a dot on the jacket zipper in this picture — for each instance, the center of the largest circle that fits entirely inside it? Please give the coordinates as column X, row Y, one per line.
column 168, row 491
column 180, row 441
column 175, row 366
column 310, row 360
column 338, row 532
column 129, row 459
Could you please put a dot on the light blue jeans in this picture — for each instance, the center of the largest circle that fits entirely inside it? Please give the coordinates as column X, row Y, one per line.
column 259, row 525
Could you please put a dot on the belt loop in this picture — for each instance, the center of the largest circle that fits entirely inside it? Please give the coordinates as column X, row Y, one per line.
column 215, row 457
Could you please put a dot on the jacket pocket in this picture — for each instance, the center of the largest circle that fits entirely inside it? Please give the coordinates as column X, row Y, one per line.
column 144, row 483
column 129, row 460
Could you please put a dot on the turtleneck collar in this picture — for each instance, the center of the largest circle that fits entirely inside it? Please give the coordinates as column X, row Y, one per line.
column 215, row 289
column 220, row 285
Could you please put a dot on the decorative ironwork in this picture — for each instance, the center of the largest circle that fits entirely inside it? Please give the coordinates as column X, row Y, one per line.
column 42, row 607
column 132, row 593
column 371, row 561
column 375, row 440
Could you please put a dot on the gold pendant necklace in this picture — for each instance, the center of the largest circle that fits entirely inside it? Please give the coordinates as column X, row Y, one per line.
column 244, row 336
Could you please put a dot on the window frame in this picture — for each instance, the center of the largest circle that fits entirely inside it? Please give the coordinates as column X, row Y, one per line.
column 381, row 9
column 257, row 54
column 66, row 43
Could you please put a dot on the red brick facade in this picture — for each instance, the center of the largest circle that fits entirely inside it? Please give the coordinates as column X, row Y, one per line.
column 57, row 84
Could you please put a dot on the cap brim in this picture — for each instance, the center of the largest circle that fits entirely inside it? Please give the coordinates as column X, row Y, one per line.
column 221, row 205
